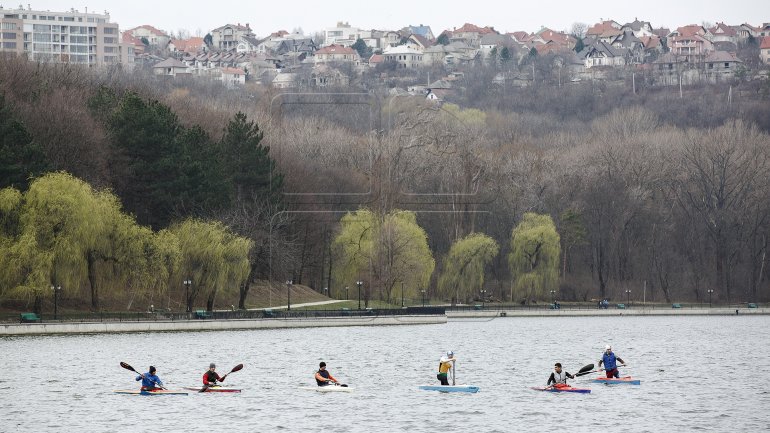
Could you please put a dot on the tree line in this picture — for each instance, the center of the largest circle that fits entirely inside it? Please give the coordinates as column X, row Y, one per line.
column 669, row 206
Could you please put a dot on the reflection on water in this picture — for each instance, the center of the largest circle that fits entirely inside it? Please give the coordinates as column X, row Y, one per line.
column 697, row 373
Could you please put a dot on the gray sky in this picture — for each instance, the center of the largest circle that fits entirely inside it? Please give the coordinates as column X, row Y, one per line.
column 267, row 16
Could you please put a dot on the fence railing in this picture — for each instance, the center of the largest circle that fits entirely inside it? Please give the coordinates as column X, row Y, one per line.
column 223, row 315
column 597, row 306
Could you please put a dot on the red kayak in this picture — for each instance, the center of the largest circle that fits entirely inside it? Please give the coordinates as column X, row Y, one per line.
column 617, row 380
column 562, row 388
column 213, row 389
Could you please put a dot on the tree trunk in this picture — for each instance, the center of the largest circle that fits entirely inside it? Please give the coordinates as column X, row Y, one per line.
column 92, row 281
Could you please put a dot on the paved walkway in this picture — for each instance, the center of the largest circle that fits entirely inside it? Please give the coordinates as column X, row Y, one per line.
column 306, row 304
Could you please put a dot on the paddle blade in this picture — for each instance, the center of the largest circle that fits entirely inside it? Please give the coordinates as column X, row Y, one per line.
column 237, row 368
column 588, row 367
column 127, row 367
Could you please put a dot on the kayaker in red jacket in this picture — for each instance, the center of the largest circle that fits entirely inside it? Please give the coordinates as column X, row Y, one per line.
column 323, row 377
column 559, row 378
column 210, row 378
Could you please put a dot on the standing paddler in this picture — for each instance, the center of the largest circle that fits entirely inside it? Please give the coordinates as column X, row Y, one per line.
column 444, row 365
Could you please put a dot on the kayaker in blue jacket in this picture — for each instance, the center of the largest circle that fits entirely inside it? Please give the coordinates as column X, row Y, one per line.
column 149, row 380
column 610, row 362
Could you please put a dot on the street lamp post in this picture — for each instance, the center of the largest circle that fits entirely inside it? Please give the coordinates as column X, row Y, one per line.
column 553, row 296
column 288, row 294
column 483, row 297
column 423, row 297
column 347, row 291
column 56, row 290
column 628, row 297
column 359, row 284
column 187, row 294
column 326, row 291
column 710, row 291
column 402, row 294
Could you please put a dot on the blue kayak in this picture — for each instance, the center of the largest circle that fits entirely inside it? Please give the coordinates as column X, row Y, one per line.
column 613, row 381
column 450, row 388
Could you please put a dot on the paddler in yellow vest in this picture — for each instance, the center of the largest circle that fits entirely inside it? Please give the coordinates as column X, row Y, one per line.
column 444, row 365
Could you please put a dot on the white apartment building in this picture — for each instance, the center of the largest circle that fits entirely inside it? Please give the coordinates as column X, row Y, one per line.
column 343, row 35
column 67, row 37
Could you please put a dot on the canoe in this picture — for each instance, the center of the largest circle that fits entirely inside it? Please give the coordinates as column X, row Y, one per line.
column 212, row 389
column 614, row 381
column 450, row 388
column 328, row 388
column 566, row 388
column 157, row 392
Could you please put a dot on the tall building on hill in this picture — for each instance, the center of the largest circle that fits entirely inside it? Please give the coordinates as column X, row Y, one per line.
column 62, row 37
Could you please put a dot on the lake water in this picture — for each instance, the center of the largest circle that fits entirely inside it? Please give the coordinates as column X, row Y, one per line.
column 697, row 373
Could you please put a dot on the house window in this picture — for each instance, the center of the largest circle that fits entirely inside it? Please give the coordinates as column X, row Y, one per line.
column 711, row 66
column 727, row 65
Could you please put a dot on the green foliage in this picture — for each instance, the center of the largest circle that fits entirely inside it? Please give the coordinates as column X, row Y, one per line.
column 579, row 45
column 464, row 265
column 468, row 117
column 145, row 41
column 20, row 157
column 386, row 251
column 443, row 39
column 363, row 50
column 535, row 254
column 216, row 260
column 505, row 55
column 208, row 40
column 247, row 163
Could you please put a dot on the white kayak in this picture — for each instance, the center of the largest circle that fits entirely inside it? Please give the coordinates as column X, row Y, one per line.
column 328, row 388
column 450, row 388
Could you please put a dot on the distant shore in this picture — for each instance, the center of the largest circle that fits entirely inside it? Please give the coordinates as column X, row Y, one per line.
column 596, row 312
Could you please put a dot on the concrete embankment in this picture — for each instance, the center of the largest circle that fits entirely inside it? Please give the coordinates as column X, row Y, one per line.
column 16, row 329
column 488, row 313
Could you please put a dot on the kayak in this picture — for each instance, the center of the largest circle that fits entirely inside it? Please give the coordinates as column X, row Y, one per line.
column 328, row 388
column 213, row 389
column 565, row 388
column 612, row 380
column 156, row 392
column 450, row 388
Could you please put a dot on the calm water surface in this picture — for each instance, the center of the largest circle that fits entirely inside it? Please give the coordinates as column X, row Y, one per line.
column 698, row 373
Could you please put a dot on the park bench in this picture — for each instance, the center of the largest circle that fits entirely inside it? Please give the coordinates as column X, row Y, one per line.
column 29, row 318
column 676, row 305
column 202, row 314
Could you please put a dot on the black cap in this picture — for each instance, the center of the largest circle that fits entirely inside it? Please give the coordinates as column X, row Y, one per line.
column 322, row 364
column 152, row 369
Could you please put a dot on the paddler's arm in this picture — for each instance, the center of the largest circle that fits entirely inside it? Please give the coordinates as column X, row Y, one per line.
column 621, row 361
column 571, row 376
column 319, row 377
column 551, row 379
column 332, row 378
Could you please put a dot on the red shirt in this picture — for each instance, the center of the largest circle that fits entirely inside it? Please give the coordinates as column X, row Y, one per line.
column 211, row 376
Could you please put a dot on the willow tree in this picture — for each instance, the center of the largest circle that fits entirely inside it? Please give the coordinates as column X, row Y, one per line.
column 464, row 266
column 388, row 254
column 213, row 258
column 535, row 254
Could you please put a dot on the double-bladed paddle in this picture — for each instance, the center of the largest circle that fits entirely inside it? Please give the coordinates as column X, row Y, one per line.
column 128, row 367
column 585, row 370
column 236, row 368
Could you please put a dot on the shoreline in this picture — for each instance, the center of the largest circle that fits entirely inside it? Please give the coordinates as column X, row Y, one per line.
column 640, row 311
column 67, row 328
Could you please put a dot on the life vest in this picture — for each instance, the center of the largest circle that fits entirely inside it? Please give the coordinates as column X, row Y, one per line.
column 325, row 374
column 560, row 378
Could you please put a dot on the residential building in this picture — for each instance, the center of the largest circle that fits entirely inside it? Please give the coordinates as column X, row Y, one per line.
column 745, row 30
column 155, row 38
column 171, row 67
column 232, row 77
column 190, row 45
column 336, row 53
column 693, row 48
column 721, row 65
column 723, row 33
column 600, row 53
column 470, row 34
column 421, row 30
column 227, row 37
column 764, row 50
column 640, row 29
column 404, row 56
column 66, row 37
column 605, row 31
column 343, row 34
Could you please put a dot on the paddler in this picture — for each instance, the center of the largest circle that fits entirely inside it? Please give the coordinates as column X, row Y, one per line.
column 210, row 377
column 444, row 365
column 559, row 377
column 610, row 362
column 323, row 377
column 149, row 380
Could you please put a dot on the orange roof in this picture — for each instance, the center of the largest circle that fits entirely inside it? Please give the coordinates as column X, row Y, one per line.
column 602, row 27
column 376, row 58
column 765, row 44
column 690, row 30
column 279, row 33
column 189, row 45
column 472, row 28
